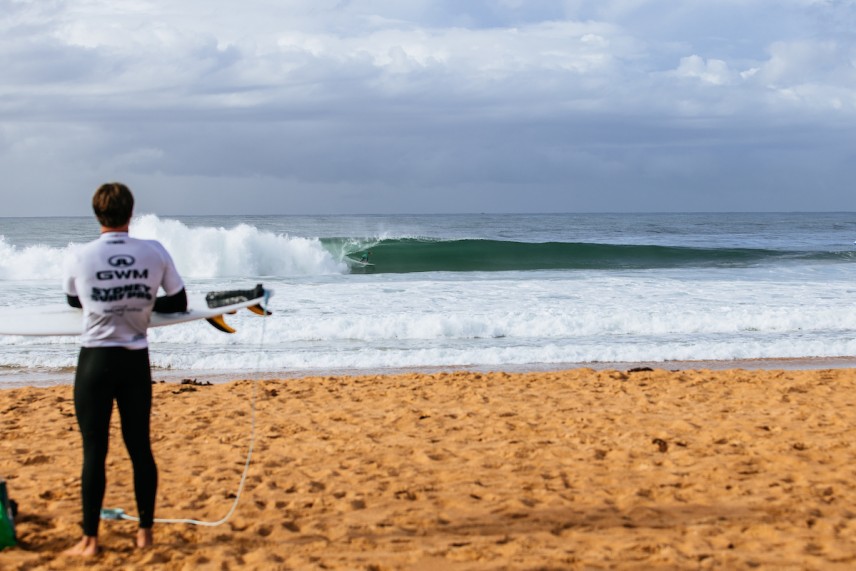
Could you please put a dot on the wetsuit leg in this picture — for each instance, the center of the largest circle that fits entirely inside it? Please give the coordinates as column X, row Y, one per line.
column 102, row 375
column 134, row 400
column 93, row 405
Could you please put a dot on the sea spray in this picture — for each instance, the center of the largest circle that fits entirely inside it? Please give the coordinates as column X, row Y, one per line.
column 199, row 252
column 33, row 262
column 242, row 250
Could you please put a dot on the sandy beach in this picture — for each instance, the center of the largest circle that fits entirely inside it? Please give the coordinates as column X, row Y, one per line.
column 579, row 469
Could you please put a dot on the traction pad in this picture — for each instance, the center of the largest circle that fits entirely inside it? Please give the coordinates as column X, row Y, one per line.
column 216, row 299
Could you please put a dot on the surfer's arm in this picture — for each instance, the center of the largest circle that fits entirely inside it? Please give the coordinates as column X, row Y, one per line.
column 73, row 301
column 175, row 303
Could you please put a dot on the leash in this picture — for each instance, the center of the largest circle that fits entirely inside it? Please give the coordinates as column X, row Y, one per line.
column 119, row 513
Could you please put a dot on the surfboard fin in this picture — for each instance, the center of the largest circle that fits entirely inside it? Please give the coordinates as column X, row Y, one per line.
column 219, row 323
column 259, row 310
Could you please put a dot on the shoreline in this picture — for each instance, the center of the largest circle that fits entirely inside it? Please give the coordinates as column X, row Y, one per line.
column 575, row 469
column 50, row 378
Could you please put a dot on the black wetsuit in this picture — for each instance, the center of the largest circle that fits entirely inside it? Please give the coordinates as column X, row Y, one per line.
column 104, row 374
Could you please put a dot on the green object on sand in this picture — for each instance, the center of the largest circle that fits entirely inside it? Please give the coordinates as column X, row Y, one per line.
column 7, row 522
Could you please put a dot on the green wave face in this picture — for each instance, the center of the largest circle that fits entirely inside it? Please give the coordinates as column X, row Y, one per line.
column 426, row 255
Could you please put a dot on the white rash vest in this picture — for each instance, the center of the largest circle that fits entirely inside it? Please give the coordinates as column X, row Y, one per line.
column 117, row 279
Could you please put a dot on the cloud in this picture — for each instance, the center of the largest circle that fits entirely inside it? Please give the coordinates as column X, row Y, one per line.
column 354, row 99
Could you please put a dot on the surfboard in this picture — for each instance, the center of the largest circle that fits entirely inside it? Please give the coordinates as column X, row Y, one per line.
column 361, row 264
column 62, row 319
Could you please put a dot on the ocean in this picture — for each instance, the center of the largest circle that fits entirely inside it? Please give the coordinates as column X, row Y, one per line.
column 475, row 291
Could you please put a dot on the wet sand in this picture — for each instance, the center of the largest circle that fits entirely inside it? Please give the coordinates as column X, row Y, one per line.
column 578, row 469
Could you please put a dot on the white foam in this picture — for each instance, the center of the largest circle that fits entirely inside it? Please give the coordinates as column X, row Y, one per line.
column 198, row 252
column 417, row 322
column 244, row 250
column 31, row 262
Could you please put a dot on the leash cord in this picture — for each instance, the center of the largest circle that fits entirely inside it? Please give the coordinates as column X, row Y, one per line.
column 118, row 513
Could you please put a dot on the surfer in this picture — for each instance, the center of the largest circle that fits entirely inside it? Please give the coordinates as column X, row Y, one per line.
column 115, row 280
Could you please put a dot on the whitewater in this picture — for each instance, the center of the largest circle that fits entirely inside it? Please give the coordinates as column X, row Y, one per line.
column 484, row 292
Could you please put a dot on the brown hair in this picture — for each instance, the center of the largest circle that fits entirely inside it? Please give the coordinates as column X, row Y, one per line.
column 113, row 204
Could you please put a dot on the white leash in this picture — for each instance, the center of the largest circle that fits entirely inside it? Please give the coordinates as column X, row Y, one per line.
column 118, row 513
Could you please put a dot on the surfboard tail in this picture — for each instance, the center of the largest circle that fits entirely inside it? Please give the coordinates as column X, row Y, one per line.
column 217, row 299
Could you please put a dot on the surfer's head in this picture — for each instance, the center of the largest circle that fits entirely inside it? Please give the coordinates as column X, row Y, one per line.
column 113, row 204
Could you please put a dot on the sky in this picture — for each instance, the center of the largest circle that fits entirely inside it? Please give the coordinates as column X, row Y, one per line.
column 428, row 106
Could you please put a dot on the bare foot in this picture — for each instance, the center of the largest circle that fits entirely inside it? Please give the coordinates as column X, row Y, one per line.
column 144, row 538
column 87, row 547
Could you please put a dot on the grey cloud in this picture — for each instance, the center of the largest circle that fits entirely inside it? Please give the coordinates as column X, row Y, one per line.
column 485, row 106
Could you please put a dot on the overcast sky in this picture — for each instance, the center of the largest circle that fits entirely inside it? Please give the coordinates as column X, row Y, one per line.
column 434, row 106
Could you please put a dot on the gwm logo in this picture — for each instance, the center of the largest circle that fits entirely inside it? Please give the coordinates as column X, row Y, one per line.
column 121, row 261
